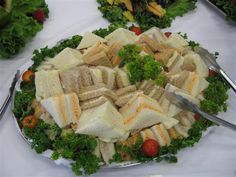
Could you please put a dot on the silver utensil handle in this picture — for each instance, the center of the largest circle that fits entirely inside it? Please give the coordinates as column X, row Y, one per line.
column 217, row 120
column 5, row 105
column 228, row 80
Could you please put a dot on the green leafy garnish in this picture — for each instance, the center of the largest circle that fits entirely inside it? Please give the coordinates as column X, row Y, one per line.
column 115, row 12
column 19, row 27
column 146, row 20
column 135, row 69
column 88, row 161
column 191, row 43
column 67, row 145
column 103, row 32
column 40, row 140
column 29, row 6
column 78, row 148
column 129, row 53
column 215, row 96
column 23, row 100
column 140, row 67
column 151, row 68
column 228, row 7
column 180, row 7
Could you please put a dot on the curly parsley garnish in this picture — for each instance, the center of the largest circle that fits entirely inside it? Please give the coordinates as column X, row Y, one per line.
column 140, row 67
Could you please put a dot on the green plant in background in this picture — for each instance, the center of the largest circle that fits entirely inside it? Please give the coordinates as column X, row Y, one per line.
column 160, row 14
column 228, row 7
column 19, row 22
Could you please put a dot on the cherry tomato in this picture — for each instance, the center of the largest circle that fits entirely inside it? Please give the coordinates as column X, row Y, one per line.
column 167, row 34
column 212, row 73
column 39, row 15
column 27, row 75
column 197, row 116
column 30, row 121
column 150, row 147
column 136, row 30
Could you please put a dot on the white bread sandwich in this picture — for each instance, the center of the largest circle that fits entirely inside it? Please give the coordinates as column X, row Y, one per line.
column 161, row 134
column 109, row 76
column 156, row 34
column 96, row 75
column 88, row 40
column 107, row 150
column 177, row 41
column 181, row 92
column 201, row 67
column 47, row 84
column 147, row 134
column 94, row 93
column 169, row 108
column 142, row 111
column 122, row 78
column 66, row 59
column 70, row 80
column 64, row 108
column 122, row 36
column 195, row 84
column 103, row 121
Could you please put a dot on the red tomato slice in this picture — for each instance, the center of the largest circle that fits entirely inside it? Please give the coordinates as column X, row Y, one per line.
column 167, row 34
column 27, row 75
column 212, row 73
column 136, row 30
column 150, row 148
column 39, row 15
column 30, row 121
column 197, row 116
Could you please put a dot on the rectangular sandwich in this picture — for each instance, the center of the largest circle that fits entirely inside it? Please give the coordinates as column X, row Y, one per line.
column 47, row 84
column 64, row 108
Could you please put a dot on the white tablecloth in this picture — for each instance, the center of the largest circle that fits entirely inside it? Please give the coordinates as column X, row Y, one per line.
column 214, row 155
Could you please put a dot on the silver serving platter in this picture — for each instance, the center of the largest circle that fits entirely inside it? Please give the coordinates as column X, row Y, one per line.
column 63, row 161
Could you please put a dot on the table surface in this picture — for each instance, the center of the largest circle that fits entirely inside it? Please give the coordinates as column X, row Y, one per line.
column 214, row 155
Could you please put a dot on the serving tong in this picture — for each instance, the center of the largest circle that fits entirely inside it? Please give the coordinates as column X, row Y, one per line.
column 10, row 94
column 210, row 61
column 183, row 103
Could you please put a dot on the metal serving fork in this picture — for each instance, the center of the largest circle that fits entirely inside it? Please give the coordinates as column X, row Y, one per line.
column 185, row 104
column 10, row 93
column 210, row 61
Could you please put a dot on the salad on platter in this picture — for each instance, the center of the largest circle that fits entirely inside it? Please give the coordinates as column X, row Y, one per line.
column 19, row 22
column 100, row 101
column 146, row 13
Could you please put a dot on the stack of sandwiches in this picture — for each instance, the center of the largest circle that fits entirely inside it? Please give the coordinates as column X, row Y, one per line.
column 84, row 87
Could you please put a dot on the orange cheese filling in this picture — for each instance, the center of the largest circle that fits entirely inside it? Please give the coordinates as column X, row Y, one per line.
column 172, row 133
column 75, row 106
column 160, row 130
column 141, row 106
column 127, row 106
column 61, row 108
column 148, row 134
column 192, row 82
